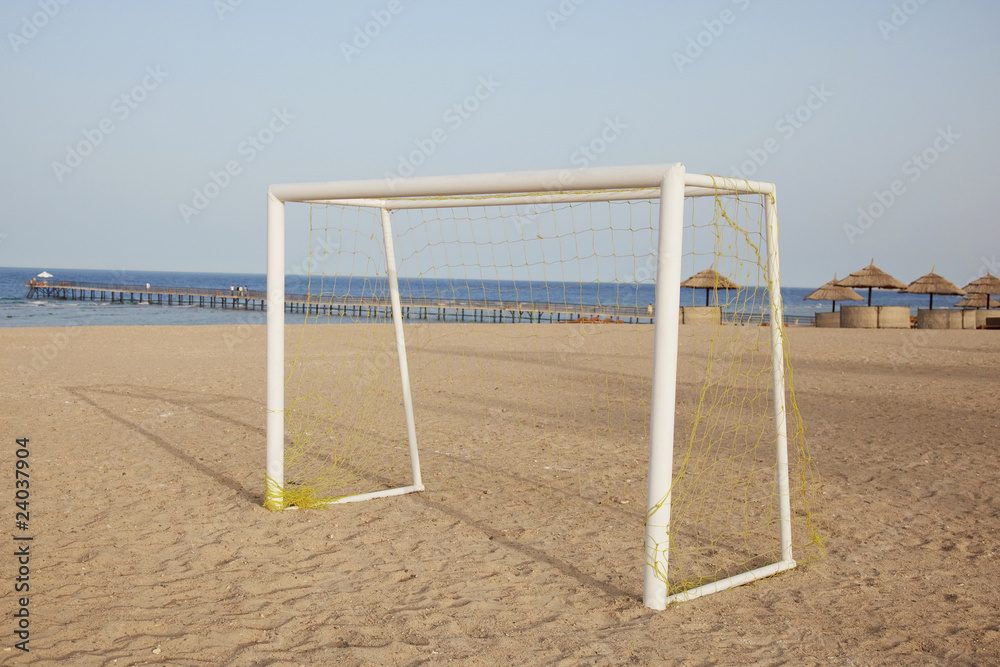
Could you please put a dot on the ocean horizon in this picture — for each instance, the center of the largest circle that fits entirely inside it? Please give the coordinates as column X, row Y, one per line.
column 18, row 311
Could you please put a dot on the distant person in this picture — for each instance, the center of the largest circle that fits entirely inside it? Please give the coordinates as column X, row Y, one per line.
column 147, row 286
column 232, row 290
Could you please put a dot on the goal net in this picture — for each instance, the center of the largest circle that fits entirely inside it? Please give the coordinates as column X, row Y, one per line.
column 523, row 342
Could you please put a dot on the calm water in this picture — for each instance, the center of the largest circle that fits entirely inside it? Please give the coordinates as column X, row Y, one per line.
column 17, row 311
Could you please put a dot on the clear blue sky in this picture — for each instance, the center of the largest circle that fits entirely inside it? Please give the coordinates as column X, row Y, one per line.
column 887, row 81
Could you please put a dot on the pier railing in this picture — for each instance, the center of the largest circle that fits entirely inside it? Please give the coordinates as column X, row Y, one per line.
column 57, row 285
column 477, row 309
column 330, row 303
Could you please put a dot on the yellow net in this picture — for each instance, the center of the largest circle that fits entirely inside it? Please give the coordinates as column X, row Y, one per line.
column 529, row 339
column 724, row 498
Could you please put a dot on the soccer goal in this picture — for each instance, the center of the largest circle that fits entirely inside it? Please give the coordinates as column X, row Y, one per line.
column 532, row 328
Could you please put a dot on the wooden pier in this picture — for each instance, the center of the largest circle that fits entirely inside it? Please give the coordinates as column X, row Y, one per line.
column 476, row 310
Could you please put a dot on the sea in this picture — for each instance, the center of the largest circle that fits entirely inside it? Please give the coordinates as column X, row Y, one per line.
column 18, row 311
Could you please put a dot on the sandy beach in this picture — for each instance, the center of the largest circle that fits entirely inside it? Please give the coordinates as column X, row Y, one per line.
column 151, row 545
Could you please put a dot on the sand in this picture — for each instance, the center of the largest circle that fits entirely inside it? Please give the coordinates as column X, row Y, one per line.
column 151, row 546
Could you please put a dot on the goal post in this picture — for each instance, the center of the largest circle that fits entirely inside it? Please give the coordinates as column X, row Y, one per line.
column 275, row 491
column 669, row 186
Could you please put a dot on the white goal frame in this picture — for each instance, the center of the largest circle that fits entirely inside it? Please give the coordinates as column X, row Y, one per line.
column 671, row 184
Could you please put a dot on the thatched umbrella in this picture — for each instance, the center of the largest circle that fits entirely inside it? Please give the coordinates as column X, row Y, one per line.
column 977, row 301
column 932, row 284
column 871, row 276
column 834, row 292
column 988, row 284
column 708, row 280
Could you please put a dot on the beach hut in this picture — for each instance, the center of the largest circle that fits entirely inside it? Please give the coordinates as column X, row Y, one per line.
column 709, row 280
column 871, row 277
column 977, row 301
column 833, row 292
column 932, row 284
column 988, row 285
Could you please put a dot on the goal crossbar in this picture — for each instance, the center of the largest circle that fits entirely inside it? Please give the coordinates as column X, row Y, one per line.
column 528, row 198
column 671, row 184
column 522, row 182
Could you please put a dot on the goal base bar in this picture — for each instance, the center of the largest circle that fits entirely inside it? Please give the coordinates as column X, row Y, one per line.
column 731, row 582
column 385, row 493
